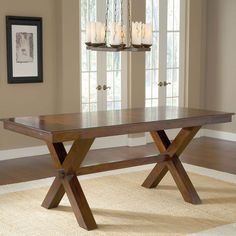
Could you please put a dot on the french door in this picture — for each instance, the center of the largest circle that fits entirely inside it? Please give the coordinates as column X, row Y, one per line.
column 101, row 85
column 165, row 63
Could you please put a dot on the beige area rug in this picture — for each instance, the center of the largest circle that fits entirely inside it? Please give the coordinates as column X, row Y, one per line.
column 122, row 207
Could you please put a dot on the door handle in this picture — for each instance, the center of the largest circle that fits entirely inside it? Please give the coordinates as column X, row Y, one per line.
column 99, row 87
column 105, row 87
column 166, row 84
column 160, row 84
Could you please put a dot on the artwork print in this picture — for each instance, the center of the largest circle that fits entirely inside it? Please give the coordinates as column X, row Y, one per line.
column 24, row 49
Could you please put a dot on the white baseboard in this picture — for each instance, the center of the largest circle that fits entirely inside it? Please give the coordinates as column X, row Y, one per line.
column 23, row 152
column 219, row 134
column 171, row 133
column 108, row 142
column 134, row 142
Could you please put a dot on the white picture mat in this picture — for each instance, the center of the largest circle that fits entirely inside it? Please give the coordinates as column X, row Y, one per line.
column 25, row 69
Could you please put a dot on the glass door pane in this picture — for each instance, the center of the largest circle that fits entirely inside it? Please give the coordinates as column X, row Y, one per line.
column 101, row 68
column 163, row 80
column 113, row 63
column 152, row 57
column 173, row 52
column 88, row 60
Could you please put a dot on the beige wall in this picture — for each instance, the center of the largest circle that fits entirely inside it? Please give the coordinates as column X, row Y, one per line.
column 136, row 88
column 28, row 99
column 136, row 80
column 60, row 91
column 220, row 93
column 195, row 53
column 69, row 64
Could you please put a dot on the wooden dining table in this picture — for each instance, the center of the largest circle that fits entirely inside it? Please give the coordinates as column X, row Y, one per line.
column 83, row 128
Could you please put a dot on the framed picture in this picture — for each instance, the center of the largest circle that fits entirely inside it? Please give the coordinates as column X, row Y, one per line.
column 24, row 49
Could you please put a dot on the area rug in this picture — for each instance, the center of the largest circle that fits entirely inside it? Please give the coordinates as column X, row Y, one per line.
column 122, row 207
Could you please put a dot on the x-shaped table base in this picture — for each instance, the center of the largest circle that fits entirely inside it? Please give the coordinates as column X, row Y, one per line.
column 174, row 165
column 67, row 181
column 68, row 166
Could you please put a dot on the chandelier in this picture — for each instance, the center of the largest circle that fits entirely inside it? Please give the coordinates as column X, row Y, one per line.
column 137, row 37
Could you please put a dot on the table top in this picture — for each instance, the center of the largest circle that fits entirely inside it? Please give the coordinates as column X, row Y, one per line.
column 66, row 127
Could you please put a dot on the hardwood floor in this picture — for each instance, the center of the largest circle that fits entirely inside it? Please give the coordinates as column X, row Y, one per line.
column 206, row 152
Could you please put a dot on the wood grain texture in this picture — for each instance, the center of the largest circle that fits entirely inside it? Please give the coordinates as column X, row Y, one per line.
column 67, row 127
column 182, row 181
column 122, row 164
column 174, row 165
column 58, row 153
column 66, row 182
column 54, row 195
column 162, row 142
column 204, row 152
column 182, row 140
column 83, row 128
column 156, row 176
column 77, row 154
column 79, row 203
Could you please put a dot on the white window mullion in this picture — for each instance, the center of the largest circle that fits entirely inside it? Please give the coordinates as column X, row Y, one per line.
column 124, row 65
column 101, row 61
column 172, row 23
column 163, row 50
column 183, row 12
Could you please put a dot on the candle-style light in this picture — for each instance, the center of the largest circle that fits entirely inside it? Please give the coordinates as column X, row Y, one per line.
column 97, row 34
column 136, row 34
column 140, row 38
column 88, row 33
column 146, row 35
column 117, row 35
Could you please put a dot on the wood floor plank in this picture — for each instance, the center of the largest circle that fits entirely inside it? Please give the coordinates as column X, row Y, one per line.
column 206, row 152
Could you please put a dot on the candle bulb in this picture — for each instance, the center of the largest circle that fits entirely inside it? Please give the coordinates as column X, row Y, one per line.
column 116, row 34
column 136, row 33
column 88, row 33
column 103, row 33
column 147, row 34
column 98, row 32
column 123, row 35
column 93, row 33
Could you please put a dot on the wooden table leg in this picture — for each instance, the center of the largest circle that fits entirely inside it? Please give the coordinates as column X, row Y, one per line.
column 174, row 165
column 54, row 195
column 79, row 203
column 183, row 182
column 156, row 175
column 67, row 181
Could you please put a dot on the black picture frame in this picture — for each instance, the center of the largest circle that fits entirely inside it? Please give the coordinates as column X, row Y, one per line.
column 24, row 49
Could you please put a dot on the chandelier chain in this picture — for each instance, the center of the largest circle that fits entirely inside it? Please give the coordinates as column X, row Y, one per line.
column 122, row 12
column 115, row 11
column 106, row 21
column 122, row 23
column 130, row 22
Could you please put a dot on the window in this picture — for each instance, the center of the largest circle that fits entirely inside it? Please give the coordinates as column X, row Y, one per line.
column 100, row 68
column 88, row 59
column 164, row 64
column 152, row 58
